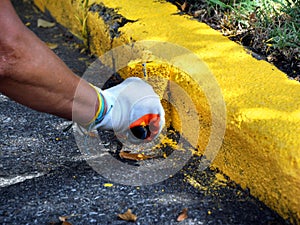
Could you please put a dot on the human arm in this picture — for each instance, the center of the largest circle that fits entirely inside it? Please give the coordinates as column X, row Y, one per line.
column 31, row 74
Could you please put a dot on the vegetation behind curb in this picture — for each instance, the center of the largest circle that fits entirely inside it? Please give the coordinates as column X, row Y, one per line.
column 270, row 29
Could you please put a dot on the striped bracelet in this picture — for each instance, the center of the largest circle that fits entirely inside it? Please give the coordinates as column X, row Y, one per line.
column 102, row 109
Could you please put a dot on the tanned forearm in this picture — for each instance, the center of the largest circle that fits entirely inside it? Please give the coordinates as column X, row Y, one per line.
column 31, row 74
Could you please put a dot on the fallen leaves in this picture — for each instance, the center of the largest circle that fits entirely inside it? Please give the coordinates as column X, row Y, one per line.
column 183, row 215
column 64, row 221
column 297, row 78
column 63, row 218
column 183, row 7
column 44, row 23
column 134, row 156
column 128, row 216
column 198, row 13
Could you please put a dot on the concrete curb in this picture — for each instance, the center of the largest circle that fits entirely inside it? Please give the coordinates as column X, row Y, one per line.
column 261, row 149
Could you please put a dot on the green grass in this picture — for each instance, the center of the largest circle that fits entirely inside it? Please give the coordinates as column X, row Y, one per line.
column 269, row 27
column 275, row 23
column 82, row 19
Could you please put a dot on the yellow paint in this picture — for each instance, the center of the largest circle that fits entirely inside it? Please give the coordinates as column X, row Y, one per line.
column 261, row 149
column 108, row 185
column 195, row 183
column 220, row 179
column 161, row 76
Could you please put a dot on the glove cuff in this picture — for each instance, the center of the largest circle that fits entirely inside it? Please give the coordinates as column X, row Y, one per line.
column 101, row 112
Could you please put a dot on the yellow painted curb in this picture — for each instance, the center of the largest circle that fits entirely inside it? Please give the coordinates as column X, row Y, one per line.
column 261, row 149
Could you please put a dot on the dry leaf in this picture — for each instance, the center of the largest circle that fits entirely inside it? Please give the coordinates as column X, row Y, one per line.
column 253, row 17
column 184, row 6
column 44, row 23
column 63, row 218
column 134, row 156
column 198, row 13
column 66, row 223
column 82, row 50
column 52, row 45
column 128, row 216
column 270, row 58
column 183, row 215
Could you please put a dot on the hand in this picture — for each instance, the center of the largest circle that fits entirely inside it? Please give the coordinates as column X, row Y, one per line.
column 133, row 111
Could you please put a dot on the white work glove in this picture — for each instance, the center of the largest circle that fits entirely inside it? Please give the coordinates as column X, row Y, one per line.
column 133, row 111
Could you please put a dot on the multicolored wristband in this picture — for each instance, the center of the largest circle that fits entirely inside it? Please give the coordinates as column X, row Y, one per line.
column 102, row 109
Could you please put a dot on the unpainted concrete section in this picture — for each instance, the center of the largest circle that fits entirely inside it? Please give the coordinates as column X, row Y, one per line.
column 261, row 149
